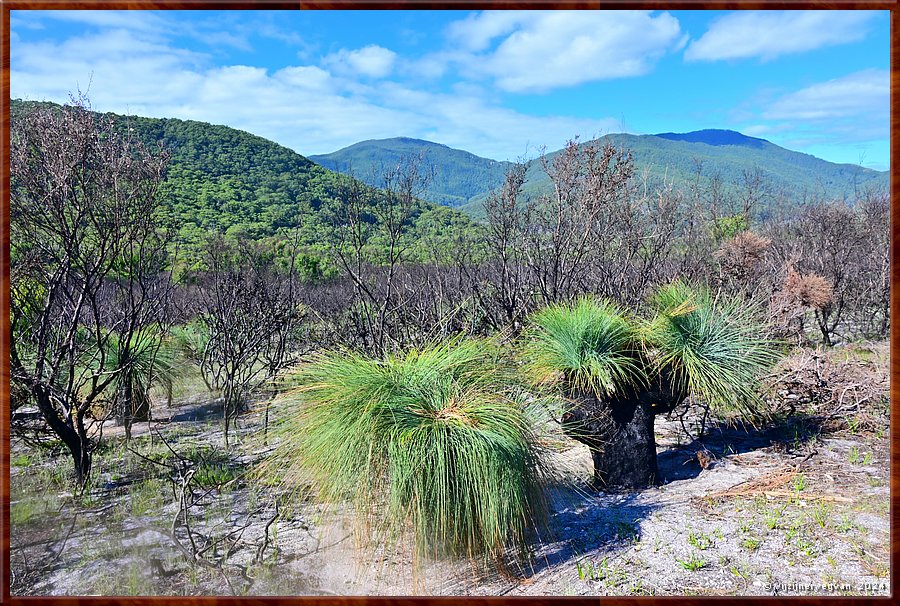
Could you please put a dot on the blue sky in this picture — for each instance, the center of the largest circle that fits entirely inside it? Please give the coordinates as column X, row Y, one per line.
column 500, row 84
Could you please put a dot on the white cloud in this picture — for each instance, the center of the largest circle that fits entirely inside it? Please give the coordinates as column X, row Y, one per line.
column 475, row 32
column 146, row 21
column 537, row 51
column 864, row 95
column 837, row 119
column 305, row 107
column 770, row 34
column 372, row 61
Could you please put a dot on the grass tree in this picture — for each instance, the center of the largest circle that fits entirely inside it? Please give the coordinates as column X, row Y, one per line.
column 145, row 361
column 616, row 373
column 436, row 445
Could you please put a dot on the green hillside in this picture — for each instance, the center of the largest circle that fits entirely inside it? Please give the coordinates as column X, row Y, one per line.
column 790, row 175
column 456, row 176
column 463, row 179
column 224, row 180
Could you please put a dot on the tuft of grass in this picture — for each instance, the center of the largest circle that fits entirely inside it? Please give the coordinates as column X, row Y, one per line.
column 28, row 510
column 437, row 444
column 713, row 348
column 589, row 343
column 692, row 563
column 22, row 460
column 699, row 540
column 751, row 543
column 147, row 497
column 821, row 515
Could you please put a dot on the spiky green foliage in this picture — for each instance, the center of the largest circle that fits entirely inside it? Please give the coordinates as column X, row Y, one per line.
column 713, row 348
column 436, row 443
column 590, row 344
column 147, row 360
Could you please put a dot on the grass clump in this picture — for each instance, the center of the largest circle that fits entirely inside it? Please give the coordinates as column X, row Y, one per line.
column 438, row 443
column 713, row 348
column 589, row 344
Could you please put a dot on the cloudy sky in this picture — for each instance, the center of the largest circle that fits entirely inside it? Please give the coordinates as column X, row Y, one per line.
column 499, row 84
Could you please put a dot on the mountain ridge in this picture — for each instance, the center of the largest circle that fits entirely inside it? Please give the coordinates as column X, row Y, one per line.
column 462, row 175
column 721, row 155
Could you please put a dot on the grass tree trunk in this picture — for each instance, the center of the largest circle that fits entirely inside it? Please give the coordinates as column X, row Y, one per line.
column 620, row 437
column 619, row 433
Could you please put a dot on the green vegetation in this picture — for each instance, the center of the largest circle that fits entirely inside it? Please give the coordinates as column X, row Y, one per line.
column 791, row 176
column 590, row 343
column 458, row 176
column 615, row 374
column 223, row 180
column 712, row 348
column 692, row 563
column 436, row 443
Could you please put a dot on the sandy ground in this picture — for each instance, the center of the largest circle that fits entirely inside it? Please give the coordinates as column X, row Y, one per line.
column 775, row 512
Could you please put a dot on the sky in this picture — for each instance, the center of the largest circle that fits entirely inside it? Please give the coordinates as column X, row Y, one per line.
column 500, row 84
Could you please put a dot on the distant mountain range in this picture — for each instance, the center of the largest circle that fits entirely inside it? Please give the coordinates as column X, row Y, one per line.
column 464, row 179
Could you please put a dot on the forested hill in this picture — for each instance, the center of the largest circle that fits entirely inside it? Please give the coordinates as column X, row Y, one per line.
column 221, row 179
column 456, row 176
column 722, row 157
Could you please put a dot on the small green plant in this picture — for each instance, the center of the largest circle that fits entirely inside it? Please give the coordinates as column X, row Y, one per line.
column 591, row 571
column 853, row 456
column 137, row 583
column 751, row 543
column 799, row 482
column 846, row 524
column 22, row 460
column 806, row 546
column 147, row 497
column 867, row 459
column 699, row 540
column 772, row 517
column 27, row 511
column 215, row 475
column 821, row 515
column 738, row 571
column 693, row 563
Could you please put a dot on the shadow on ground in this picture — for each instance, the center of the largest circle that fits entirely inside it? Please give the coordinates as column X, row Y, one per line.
column 723, row 439
column 584, row 520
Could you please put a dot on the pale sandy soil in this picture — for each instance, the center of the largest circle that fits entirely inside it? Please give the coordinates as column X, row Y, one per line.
column 777, row 511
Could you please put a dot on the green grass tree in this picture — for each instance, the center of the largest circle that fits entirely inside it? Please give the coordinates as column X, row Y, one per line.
column 145, row 361
column 436, row 445
column 616, row 373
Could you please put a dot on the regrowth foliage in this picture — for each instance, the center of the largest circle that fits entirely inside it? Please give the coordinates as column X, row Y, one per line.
column 436, row 443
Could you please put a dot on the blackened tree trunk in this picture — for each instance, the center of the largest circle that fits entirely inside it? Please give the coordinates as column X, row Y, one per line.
column 619, row 433
column 71, row 431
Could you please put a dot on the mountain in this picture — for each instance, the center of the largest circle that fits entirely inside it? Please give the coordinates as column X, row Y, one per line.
column 725, row 156
column 714, row 136
column 456, row 176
